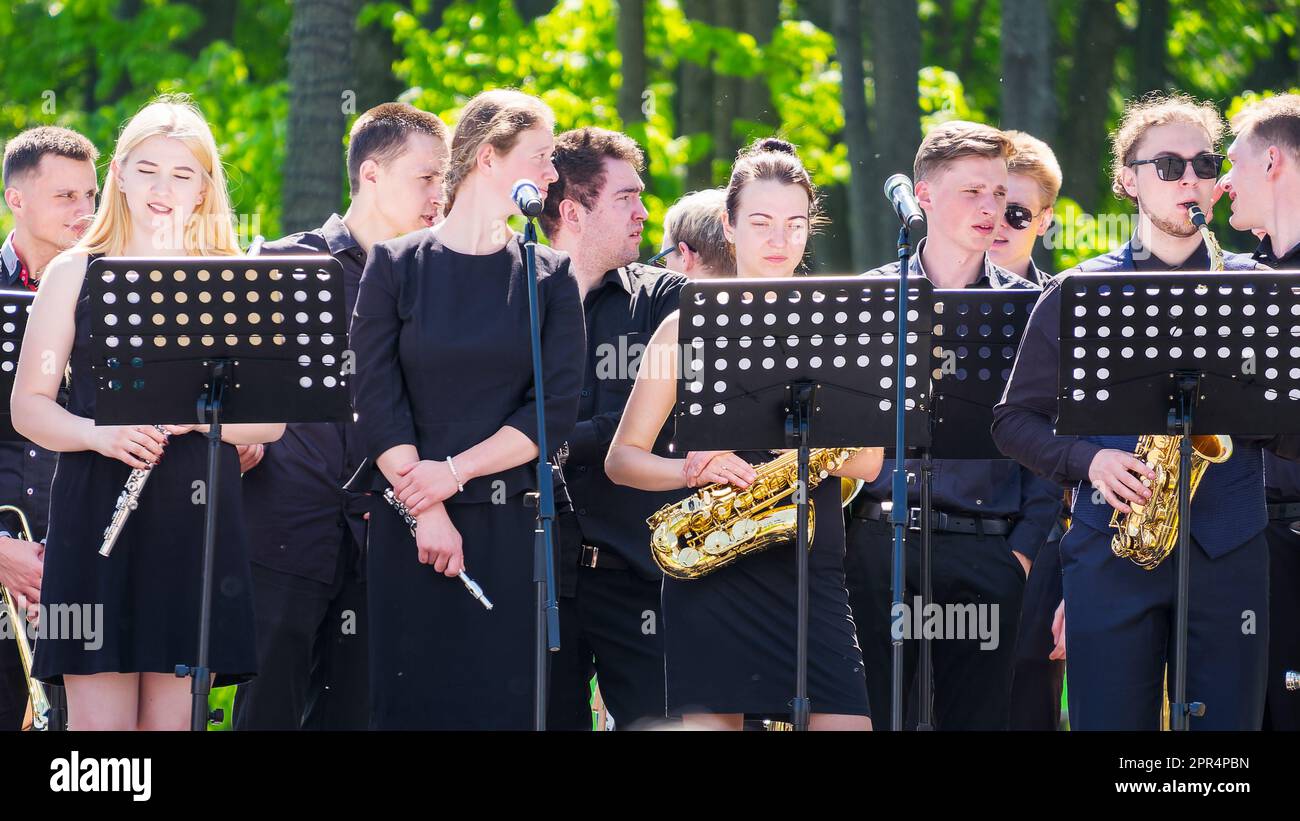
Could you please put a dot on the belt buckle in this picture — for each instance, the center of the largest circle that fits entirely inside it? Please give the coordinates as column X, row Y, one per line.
column 914, row 519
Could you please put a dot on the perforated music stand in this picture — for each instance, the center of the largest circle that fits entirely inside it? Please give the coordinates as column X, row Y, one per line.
column 797, row 363
column 15, row 306
column 1155, row 353
column 186, row 340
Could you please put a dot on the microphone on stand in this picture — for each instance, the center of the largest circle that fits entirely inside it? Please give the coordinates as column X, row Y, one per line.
column 527, row 197
column 898, row 190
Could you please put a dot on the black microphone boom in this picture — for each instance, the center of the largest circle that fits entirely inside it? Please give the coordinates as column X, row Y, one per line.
column 527, row 197
column 898, row 189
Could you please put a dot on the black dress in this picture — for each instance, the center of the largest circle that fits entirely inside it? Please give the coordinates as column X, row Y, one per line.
column 443, row 361
column 138, row 609
column 730, row 636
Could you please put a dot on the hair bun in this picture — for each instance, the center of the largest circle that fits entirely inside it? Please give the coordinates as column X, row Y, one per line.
column 775, row 145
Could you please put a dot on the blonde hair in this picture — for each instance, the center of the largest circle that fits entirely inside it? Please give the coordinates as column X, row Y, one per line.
column 1150, row 111
column 494, row 117
column 955, row 140
column 1034, row 158
column 1272, row 121
column 696, row 219
column 209, row 231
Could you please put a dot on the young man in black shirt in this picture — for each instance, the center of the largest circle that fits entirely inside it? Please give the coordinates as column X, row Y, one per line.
column 1263, row 188
column 990, row 516
column 610, row 619
column 50, row 186
column 307, row 536
column 1119, row 617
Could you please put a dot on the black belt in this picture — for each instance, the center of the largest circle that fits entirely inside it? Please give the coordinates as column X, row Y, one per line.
column 606, row 559
column 1284, row 511
column 940, row 522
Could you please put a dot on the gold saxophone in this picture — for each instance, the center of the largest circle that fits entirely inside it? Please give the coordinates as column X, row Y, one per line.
column 720, row 523
column 38, row 705
column 1148, row 534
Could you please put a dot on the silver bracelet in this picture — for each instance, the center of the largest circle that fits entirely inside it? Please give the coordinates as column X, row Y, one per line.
column 455, row 474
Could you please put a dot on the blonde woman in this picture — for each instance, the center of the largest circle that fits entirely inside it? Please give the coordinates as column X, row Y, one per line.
column 164, row 195
column 729, row 640
column 445, row 400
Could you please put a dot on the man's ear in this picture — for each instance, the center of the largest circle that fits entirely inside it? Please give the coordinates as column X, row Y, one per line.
column 571, row 215
column 922, row 191
column 1128, row 180
column 1275, row 159
column 14, row 199
column 369, row 171
column 1050, row 213
column 690, row 259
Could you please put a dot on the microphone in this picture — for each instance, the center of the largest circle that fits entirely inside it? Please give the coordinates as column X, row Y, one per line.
column 527, row 197
column 898, row 190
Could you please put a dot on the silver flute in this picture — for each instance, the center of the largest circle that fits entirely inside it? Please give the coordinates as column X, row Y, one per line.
column 127, row 501
column 470, row 584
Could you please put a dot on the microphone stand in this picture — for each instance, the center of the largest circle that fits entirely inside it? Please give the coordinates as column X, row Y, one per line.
column 898, row 513
column 547, row 606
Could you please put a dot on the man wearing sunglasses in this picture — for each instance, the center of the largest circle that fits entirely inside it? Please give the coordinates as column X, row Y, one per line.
column 1263, row 188
column 990, row 516
column 694, row 242
column 1033, row 183
column 1119, row 618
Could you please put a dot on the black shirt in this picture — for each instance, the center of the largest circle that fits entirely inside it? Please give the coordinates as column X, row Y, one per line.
column 26, row 469
column 984, row 487
column 444, row 358
column 294, row 501
column 1281, row 476
column 622, row 312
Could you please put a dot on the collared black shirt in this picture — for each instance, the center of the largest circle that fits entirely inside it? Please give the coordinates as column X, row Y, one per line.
column 294, row 501
column 1023, row 422
column 984, row 487
column 26, row 469
column 622, row 311
column 1281, row 476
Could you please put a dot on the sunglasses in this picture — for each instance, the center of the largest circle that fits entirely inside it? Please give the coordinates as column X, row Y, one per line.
column 659, row 259
column 1170, row 169
column 1019, row 217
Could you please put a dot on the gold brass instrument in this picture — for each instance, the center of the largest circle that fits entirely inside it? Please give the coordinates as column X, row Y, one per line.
column 127, row 501
column 720, row 523
column 38, row 706
column 1148, row 534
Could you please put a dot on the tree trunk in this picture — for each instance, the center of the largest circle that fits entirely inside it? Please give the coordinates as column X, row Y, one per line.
column 1028, row 90
column 896, row 61
column 631, row 45
column 761, row 17
column 374, row 53
column 846, row 26
column 695, row 102
column 1152, row 46
column 218, row 24
column 320, row 71
column 1087, row 103
column 726, row 94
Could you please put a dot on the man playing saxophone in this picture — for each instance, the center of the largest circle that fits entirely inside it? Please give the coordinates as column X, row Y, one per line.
column 1120, row 617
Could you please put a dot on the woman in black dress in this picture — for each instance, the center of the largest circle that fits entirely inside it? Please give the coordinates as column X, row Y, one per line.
column 137, row 611
column 444, row 397
column 730, row 636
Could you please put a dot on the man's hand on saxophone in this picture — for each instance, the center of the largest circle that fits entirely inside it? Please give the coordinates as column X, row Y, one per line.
column 21, row 565
column 1116, row 474
column 139, row 446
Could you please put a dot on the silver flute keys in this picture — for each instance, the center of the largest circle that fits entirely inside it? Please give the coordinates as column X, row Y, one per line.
column 470, row 584
column 127, row 501
column 1292, row 680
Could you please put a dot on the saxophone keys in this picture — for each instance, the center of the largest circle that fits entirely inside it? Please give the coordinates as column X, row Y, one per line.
column 688, row 557
column 664, row 537
column 716, row 543
column 744, row 530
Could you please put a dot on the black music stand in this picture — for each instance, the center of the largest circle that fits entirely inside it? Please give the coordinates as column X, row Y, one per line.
column 213, row 340
column 976, row 334
column 15, row 306
column 796, row 363
column 1190, row 352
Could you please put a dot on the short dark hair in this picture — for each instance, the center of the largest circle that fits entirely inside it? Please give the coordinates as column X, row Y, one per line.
column 23, row 154
column 580, row 157
column 381, row 133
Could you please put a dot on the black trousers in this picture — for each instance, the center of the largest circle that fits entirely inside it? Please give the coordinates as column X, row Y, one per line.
column 611, row 627
column 1282, row 707
column 311, row 649
column 1119, row 624
column 972, row 677
column 1037, row 680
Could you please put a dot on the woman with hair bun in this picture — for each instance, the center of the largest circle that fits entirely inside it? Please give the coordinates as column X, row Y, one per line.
column 730, row 635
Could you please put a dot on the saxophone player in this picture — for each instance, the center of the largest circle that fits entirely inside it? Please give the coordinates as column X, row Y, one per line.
column 729, row 644
column 1263, row 189
column 1119, row 618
